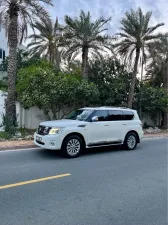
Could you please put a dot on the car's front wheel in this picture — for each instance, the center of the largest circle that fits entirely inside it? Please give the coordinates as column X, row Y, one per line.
column 130, row 141
column 72, row 146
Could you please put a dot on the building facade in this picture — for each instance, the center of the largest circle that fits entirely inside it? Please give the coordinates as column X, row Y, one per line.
column 3, row 48
column 3, row 44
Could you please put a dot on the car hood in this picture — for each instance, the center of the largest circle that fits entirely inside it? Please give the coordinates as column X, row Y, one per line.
column 63, row 123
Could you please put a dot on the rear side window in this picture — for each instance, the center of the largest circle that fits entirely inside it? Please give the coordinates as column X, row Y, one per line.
column 1, row 54
column 115, row 115
column 101, row 114
column 128, row 115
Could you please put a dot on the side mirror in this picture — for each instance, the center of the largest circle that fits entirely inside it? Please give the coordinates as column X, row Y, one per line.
column 94, row 119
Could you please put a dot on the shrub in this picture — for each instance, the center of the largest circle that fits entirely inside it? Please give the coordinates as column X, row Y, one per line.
column 40, row 86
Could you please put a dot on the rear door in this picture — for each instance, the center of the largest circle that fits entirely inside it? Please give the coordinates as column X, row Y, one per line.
column 117, row 127
column 131, row 121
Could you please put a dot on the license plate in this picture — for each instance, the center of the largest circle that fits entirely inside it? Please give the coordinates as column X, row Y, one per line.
column 38, row 139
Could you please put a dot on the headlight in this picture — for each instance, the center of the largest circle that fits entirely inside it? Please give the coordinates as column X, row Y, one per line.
column 55, row 130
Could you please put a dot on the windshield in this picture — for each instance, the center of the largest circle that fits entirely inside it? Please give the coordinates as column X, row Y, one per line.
column 80, row 114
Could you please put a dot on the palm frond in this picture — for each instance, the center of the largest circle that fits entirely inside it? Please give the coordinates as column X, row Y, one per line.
column 35, row 43
column 151, row 29
column 153, row 37
column 47, row 37
column 36, row 8
column 28, row 12
column 81, row 32
column 158, row 57
column 136, row 33
column 147, row 18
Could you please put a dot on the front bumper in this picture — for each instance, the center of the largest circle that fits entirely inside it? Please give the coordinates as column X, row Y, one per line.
column 52, row 142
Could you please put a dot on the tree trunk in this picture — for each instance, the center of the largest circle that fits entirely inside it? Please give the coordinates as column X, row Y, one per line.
column 133, row 81
column 141, row 84
column 165, row 85
column 85, row 63
column 165, row 119
column 57, row 59
column 50, row 53
column 12, row 70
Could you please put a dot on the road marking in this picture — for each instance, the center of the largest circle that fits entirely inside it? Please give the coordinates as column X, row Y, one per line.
column 34, row 181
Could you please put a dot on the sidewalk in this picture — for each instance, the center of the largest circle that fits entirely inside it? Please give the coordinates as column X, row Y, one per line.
column 164, row 134
column 12, row 145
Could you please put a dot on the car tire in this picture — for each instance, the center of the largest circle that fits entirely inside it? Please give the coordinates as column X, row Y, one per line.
column 131, row 141
column 72, row 146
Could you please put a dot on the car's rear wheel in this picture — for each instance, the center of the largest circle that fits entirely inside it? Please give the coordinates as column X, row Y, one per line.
column 72, row 146
column 131, row 141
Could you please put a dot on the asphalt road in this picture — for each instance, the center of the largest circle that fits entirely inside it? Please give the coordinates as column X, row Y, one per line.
column 106, row 187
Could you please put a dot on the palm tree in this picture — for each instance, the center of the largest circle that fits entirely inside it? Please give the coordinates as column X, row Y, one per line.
column 134, row 38
column 15, row 15
column 47, row 42
column 82, row 35
column 158, row 56
column 157, row 72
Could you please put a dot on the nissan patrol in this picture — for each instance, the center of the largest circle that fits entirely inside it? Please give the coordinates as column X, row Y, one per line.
column 90, row 127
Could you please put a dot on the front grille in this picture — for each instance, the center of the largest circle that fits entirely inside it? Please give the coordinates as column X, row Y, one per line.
column 42, row 130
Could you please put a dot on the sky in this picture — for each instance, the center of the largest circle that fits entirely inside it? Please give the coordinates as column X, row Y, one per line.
column 115, row 9
column 111, row 8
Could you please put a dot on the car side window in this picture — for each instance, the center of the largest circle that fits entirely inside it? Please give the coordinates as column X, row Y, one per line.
column 128, row 115
column 115, row 115
column 101, row 114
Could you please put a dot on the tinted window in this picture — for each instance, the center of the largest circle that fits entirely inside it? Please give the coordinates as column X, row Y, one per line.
column 80, row 114
column 115, row 115
column 101, row 114
column 0, row 53
column 128, row 115
column 3, row 54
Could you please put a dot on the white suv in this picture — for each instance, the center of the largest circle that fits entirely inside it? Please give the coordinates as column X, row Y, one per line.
column 90, row 127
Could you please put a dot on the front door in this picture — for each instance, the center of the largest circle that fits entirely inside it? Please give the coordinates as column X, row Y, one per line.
column 98, row 132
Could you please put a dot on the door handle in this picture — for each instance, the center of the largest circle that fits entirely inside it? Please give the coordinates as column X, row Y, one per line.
column 106, row 125
column 124, row 123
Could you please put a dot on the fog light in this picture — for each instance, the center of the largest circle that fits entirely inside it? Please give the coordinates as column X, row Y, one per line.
column 52, row 143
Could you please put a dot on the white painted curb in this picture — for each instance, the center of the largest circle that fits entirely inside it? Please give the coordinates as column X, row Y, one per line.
column 18, row 150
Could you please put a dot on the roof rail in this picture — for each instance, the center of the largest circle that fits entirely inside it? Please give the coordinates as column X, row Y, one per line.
column 108, row 107
column 123, row 107
column 114, row 107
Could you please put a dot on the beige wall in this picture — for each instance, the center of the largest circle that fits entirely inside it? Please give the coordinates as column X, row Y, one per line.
column 3, row 96
column 31, row 118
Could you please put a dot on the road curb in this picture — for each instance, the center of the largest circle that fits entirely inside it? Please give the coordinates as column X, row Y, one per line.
column 18, row 147
column 27, row 147
column 154, row 137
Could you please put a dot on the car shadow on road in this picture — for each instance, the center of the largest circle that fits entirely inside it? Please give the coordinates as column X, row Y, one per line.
column 103, row 150
column 50, row 154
